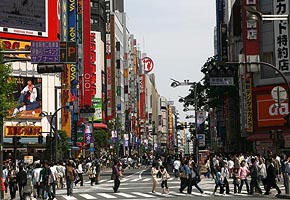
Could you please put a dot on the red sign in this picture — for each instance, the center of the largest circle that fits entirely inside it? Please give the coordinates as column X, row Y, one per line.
column 268, row 114
column 148, row 64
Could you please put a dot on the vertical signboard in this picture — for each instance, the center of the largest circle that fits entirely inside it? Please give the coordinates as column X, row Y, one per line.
column 249, row 106
column 142, row 96
column 281, row 35
column 252, row 51
column 86, row 96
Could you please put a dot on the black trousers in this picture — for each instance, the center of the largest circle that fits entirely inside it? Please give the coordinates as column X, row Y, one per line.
column 192, row 182
column 255, row 184
column 272, row 184
column 183, row 184
column 116, row 184
column 80, row 175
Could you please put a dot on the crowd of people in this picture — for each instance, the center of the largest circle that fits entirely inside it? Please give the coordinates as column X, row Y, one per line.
column 256, row 172
column 41, row 179
column 253, row 171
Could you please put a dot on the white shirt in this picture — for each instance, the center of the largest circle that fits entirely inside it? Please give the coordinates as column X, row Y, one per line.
column 33, row 95
column 176, row 164
column 80, row 169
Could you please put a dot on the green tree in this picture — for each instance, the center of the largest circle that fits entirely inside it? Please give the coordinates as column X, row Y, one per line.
column 7, row 87
column 100, row 140
column 63, row 144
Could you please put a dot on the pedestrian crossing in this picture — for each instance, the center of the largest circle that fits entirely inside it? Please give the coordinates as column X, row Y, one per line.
column 126, row 192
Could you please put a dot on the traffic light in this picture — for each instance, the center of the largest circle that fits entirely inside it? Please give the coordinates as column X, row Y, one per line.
column 287, row 118
column 221, row 70
column 50, row 68
column 40, row 139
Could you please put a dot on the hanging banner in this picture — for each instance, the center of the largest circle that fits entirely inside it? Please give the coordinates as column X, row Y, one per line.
column 281, row 36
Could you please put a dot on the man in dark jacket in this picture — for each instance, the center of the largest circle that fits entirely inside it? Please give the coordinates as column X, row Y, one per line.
column 254, row 177
column 271, row 178
column 21, row 179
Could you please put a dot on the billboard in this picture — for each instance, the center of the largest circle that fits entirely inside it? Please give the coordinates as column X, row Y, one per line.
column 268, row 114
column 28, row 95
column 29, row 18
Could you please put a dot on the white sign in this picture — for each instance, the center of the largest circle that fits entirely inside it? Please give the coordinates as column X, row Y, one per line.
column 281, row 37
column 279, row 94
column 201, row 140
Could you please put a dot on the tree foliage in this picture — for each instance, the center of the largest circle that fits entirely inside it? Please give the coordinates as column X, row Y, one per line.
column 7, row 86
column 100, row 139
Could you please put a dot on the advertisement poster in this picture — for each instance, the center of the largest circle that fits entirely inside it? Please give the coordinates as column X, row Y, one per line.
column 28, row 95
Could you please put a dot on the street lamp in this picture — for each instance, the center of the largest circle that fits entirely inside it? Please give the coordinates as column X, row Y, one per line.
column 50, row 121
column 254, row 15
column 186, row 83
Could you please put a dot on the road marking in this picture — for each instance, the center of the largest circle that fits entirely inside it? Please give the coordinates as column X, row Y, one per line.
column 164, row 195
column 125, row 195
column 110, row 181
column 87, row 196
column 124, row 179
column 143, row 195
column 178, row 194
column 146, row 179
column 101, row 181
column 135, row 180
column 68, row 197
column 108, row 196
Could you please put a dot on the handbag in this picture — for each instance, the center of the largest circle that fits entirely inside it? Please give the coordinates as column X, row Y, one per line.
column 182, row 174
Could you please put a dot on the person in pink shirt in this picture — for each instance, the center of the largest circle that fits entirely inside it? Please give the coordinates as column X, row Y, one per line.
column 243, row 174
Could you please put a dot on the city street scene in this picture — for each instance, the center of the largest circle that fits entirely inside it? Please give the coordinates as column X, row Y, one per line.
column 144, row 99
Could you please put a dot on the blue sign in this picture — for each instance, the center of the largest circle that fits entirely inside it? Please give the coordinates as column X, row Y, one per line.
column 53, row 52
column 45, row 52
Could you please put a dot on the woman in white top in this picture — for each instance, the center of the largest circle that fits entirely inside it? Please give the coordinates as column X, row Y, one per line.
column 164, row 176
column 154, row 172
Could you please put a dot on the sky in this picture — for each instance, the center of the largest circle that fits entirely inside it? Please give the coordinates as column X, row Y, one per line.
column 178, row 36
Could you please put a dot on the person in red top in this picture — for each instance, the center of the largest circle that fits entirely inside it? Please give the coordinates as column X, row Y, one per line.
column 116, row 174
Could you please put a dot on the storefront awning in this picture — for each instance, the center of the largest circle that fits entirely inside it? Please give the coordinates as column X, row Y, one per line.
column 100, row 125
column 259, row 137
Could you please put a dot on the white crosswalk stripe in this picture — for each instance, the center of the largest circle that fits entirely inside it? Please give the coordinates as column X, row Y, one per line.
column 126, row 195
column 107, row 196
column 69, row 197
column 87, row 196
column 143, row 194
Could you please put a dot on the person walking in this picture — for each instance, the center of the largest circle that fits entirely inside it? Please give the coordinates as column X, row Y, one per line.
column 12, row 182
column 116, row 174
column 92, row 174
column 154, row 172
column 164, row 177
column 194, row 179
column 224, row 176
column 176, row 165
column 21, row 179
column 184, row 172
column 80, row 173
column 218, row 180
column 70, row 177
column 243, row 174
column 272, row 175
column 47, row 180
column 254, row 183
column 35, row 180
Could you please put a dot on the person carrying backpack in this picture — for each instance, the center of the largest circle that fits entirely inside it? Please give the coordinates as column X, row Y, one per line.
column 70, row 177
column 21, row 179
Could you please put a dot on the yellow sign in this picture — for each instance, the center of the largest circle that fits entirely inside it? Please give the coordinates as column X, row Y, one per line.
column 23, row 131
column 15, row 45
column 249, row 105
